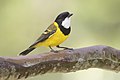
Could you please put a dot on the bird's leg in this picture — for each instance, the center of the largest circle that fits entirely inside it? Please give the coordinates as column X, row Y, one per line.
column 52, row 50
column 64, row 47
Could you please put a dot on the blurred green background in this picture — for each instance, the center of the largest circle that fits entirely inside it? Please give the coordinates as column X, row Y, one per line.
column 95, row 22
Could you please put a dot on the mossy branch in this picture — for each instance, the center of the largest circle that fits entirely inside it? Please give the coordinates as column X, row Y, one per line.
column 104, row 57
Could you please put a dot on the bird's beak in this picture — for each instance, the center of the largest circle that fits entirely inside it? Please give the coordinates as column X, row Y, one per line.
column 70, row 15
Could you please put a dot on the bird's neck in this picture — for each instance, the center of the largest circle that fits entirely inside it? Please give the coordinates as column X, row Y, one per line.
column 65, row 31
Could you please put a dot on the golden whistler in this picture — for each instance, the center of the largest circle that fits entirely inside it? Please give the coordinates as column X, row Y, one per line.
column 54, row 35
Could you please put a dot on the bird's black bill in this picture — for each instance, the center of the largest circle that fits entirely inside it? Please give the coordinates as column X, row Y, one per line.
column 70, row 15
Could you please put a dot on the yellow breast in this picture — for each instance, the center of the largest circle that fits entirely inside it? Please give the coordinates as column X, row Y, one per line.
column 55, row 39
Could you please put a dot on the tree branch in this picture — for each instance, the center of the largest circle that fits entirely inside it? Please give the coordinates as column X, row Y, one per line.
column 99, row 56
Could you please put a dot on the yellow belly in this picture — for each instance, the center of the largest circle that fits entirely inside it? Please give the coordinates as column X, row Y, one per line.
column 55, row 39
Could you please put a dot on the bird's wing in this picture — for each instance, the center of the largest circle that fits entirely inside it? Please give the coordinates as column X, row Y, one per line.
column 46, row 34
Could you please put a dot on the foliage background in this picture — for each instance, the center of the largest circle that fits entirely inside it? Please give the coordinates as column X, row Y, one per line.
column 95, row 22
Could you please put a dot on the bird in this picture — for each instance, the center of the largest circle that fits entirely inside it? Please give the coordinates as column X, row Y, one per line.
column 54, row 35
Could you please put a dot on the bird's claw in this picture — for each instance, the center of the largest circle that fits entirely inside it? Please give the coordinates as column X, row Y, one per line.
column 68, row 48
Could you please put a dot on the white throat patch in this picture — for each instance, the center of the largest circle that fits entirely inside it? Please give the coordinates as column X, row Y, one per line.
column 66, row 23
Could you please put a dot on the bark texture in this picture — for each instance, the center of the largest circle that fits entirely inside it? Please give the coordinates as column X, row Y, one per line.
column 100, row 56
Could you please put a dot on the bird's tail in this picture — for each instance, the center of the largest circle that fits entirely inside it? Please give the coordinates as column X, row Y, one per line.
column 27, row 51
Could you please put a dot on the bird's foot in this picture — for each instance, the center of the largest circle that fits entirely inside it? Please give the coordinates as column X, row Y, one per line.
column 68, row 48
column 55, row 51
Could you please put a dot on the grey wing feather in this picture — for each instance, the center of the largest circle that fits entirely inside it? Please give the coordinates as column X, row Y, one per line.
column 47, row 33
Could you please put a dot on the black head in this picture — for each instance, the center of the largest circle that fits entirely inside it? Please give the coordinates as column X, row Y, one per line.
column 61, row 17
column 63, row 20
